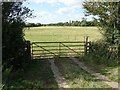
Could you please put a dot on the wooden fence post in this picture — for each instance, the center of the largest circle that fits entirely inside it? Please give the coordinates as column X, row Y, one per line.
column 28, row 51
column 86, row 44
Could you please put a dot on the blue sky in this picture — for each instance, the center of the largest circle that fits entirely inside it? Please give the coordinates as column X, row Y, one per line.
column 54, row 11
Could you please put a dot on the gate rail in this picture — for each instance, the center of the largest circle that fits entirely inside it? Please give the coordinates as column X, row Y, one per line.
column 61, row 49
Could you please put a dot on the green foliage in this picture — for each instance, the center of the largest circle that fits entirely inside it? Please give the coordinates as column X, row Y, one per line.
column 33, row 25
column 108, row 18
column 103, row 53
column 103, row 59
column 38, row 74
column 13, row 43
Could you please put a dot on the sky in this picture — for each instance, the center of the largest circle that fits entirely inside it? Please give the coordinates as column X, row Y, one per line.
column 54, row 11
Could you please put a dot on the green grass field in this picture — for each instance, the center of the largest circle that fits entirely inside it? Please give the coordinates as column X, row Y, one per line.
column 50, row 33
column 61, row 33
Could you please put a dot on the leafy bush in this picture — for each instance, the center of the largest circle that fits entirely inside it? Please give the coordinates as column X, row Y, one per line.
column 101, row 53
column 13, row 42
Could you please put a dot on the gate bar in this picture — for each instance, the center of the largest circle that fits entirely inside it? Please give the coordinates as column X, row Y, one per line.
column 44, row 49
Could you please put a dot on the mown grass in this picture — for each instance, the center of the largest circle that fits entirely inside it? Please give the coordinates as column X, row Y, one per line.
column 37, row 75
column 61, row 33
column 77, row 77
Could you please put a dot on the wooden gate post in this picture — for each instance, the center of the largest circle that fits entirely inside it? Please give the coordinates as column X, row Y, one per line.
column 59, row 49
column 86, row 44
column 28, row 51
column 90, row 46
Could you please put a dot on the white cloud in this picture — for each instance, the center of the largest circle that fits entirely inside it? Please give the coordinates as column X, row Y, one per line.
column 70, row 6
column 69, row 3
column 43, row 1
column 65, row 10
column 36, row 1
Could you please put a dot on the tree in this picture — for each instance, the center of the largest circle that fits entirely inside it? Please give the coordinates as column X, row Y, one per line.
column 66, row 24
column 108, row 18
column 38, row 24
column 13, row 42
column 84, row 22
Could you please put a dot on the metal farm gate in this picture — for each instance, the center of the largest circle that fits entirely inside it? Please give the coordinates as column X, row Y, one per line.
column 41, row 50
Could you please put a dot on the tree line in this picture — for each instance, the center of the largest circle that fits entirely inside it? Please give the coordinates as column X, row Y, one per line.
column 84, row 22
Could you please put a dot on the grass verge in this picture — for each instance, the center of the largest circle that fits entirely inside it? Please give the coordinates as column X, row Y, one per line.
column 77, row 77
column 109, row 68
column 37, row 75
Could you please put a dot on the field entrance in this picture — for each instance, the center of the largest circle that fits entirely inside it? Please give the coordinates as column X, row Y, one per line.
column 42, row 50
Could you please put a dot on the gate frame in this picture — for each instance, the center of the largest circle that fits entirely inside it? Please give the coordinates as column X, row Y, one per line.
column 60, row 44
